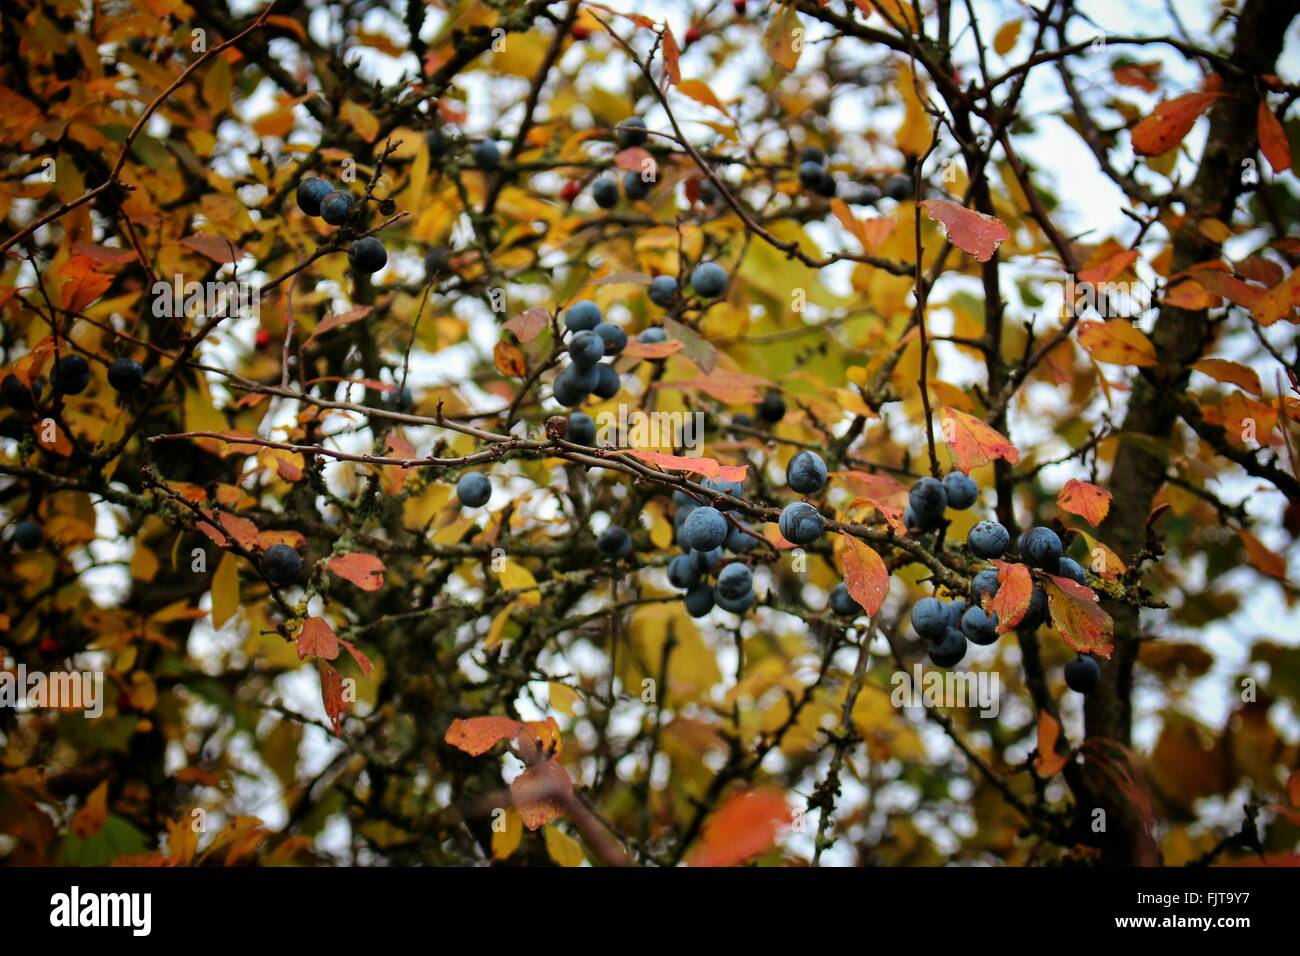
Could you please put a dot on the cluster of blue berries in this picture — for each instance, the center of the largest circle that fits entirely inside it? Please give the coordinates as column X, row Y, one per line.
column 705, row 535
column 631, row 132
column 813, row 173
column 949, row 625
column 317, row 197
column 591, row 340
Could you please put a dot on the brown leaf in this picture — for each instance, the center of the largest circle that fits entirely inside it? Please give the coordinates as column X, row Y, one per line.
column 1083, row 624
column 331, row 692
column 364, row 570
column 1015, row 588
column 542, row 793
column 1169, row 122
column 529, row 324
column 317, row 638
column 974, row 443
column 865, row 574
column 478, row 735
column 1261, row 557
column 217, row 248
column 1272, row 139
column 509, row 360
column 743, row 827
column 1084, row 499
column 968, row 230
column 1049, row 763
column 333, row 321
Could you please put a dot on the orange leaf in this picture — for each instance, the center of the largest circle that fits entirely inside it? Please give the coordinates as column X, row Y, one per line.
column 1082, row 623
column 364, row 570
column 1049, row 763
column 708, row 467
column 672, row 56
column 1015, row 588
column 1109, row 268
column 871, row 233
column 974, row 443
column 733, row 388
column 1169, row 122
column 652, row 350
column 509, row 360
column 84, row 284
column 1279, row 302
column 478, row 735
column 968, row 230
column 1272, row 139
column 217, row 248
column 318, row 639
column 1231, row 372
column 362, row 661
column 223, row 528
column 1117, row 342
column 743, row 827
column 1293, row 788
column 1262, row 558
column 865, row 574
column 1084, row 499
column 541, row 793
column 91, row 818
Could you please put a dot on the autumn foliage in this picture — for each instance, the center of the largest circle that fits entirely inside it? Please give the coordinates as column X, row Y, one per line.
column 259, row 524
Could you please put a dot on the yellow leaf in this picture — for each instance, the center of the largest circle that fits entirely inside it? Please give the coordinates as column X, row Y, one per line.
column 225, row 591
column 360, row 119
column 563, row 697
column 1006, row 37
column 506, row 841
column 785, row 38
column 562, row 848
column 516, row 577
column 700, row 92
column 913, row 136
column 144, row 563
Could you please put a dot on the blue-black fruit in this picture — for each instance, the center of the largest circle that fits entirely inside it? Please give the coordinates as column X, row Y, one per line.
column 281, row 564
column 71, row 375
column 473, row 489
column 310, row 193
column 125, row 375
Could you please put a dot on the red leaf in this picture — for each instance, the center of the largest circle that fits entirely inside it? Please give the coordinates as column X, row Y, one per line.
column 1084, row 499
column 1169, row 122
column 974, row 443
column 1108, row 268
column 364, row 570
column 333, row 321
column 103, row 255
column 743, row 827
column 708, row 467
column 223, row 528
column 865, row 574
column 1083, row 624
column 217, row 248
column 968, row 230
column 1272, row 139
column 317, row 638
column 478, row 735
column 541, row 793
column 529, row 324
column 633, row 159
column 331, row 692
column 362, row 661
column 1015, row 588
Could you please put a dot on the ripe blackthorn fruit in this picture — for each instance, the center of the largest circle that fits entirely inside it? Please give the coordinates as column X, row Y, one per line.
column 811, row 154
column 310, row 193
column 125, row 375
column 738, row 541
column 705, row 529
column 955, row 608
column 281, row 564
column 732, row 488
column 988, row 539
column 615, row 338
column 337, row 207
column 1082, row 674
column 605, row 191
column 632, row 132
column 663, row 289
column 899, row 187
column 486, row 154
column 709, row 280
column 573, row 385
column 735, row 581
column 614, row 542
column 979, row 626
column 961, row 489
column 699, row 600
column 948, row 650
column 735, row 605
column 772, row 408
column 1070, row 568
column 826, row 184
column 928, row 499
column 71, row 375
column 582, row 429
column 436, row 261
column 367, row 255
column 1036, row 616
column 635, row 186
column 810, row 173
column 583, row 316
column 652, row 335
column 930, row 618
column 607, row 382
column 800, row 523
column 842, row 602
column 473, row 489
column 1041, row 548
column 28, row 535
column 586, row 348
column 684, row 571
column 16, row 394
column 984, row 584
column 806, row 473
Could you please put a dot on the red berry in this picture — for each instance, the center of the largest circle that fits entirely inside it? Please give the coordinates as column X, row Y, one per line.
column 48, row 647
column 263, row 338
column 692, row 34
column 570, row 191
column 739, row 6
column 579, row 32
